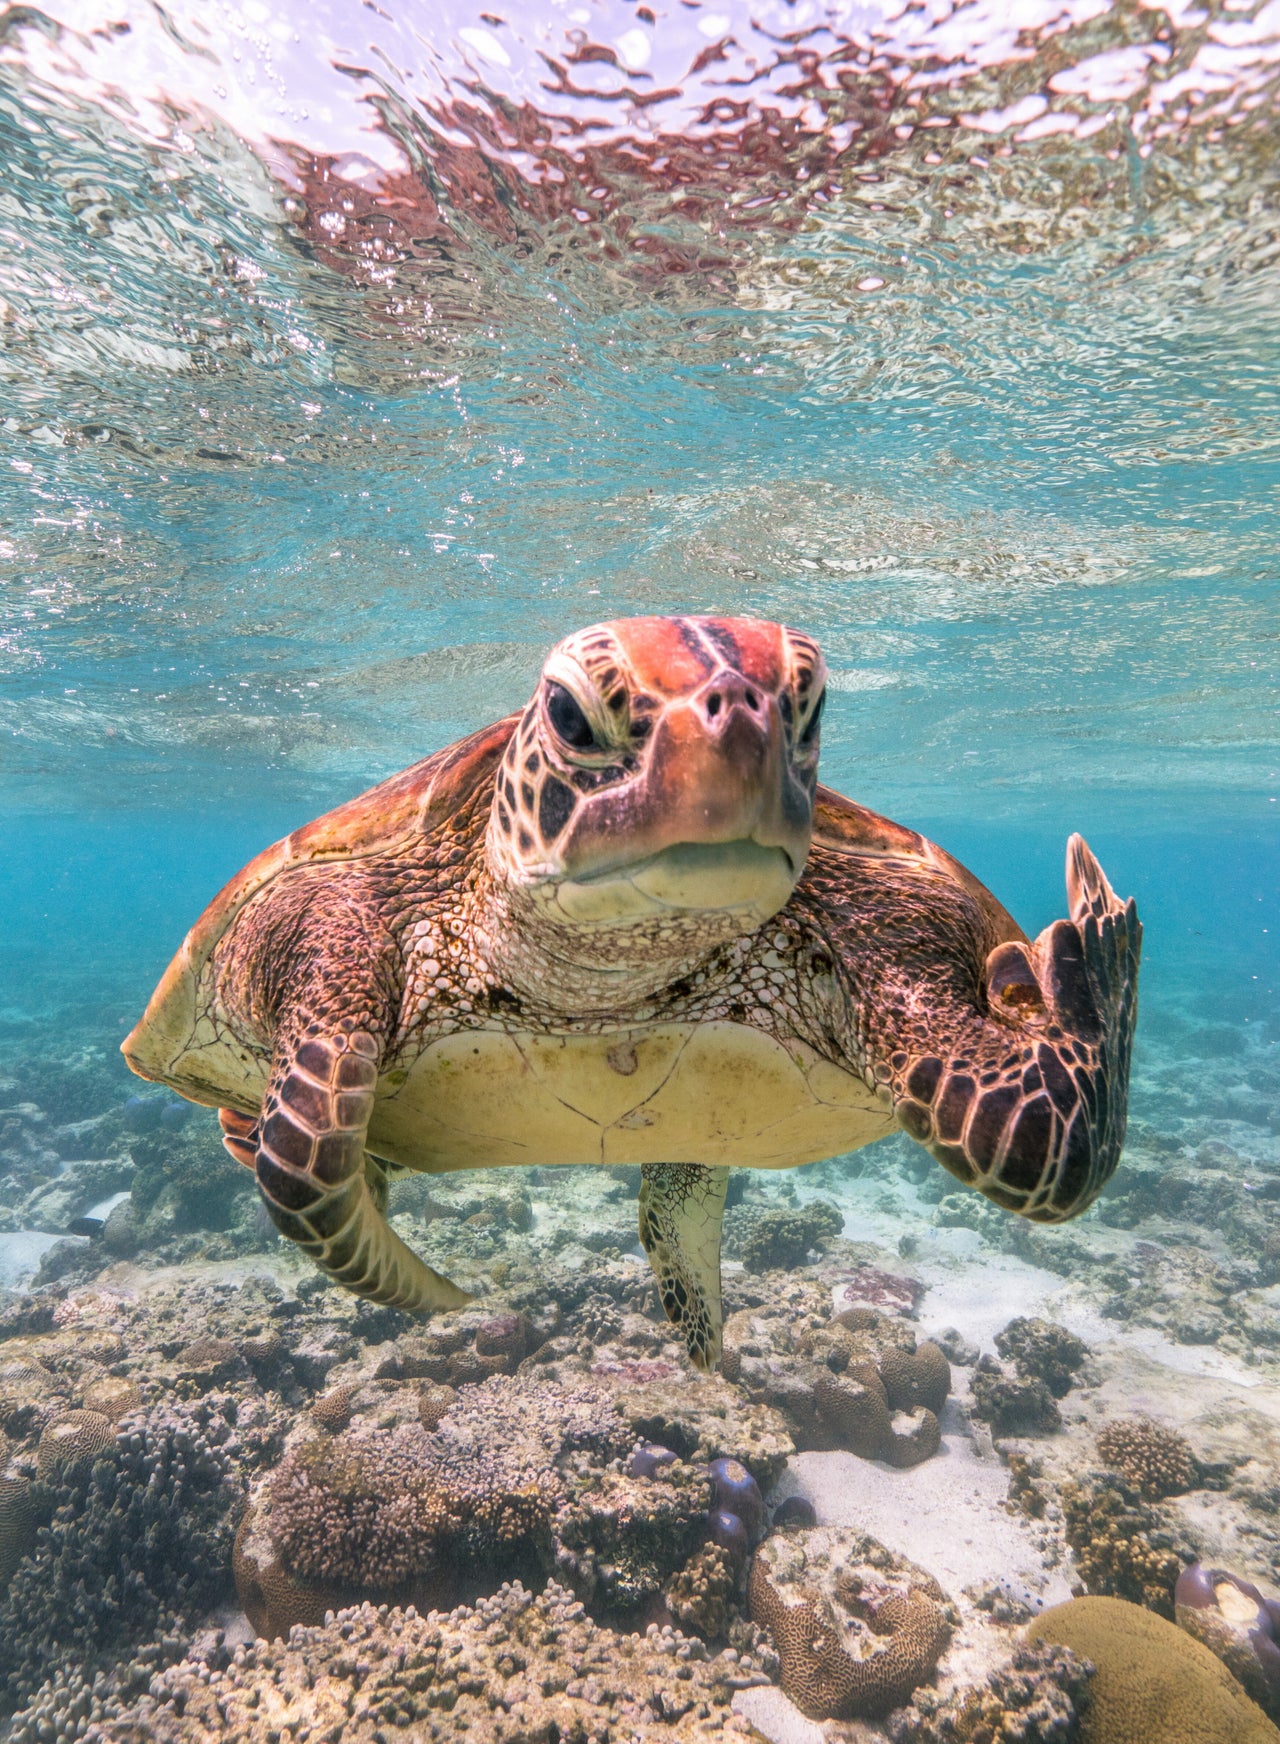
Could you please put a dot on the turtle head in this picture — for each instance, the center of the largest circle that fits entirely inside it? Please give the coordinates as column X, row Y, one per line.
column 664, row 768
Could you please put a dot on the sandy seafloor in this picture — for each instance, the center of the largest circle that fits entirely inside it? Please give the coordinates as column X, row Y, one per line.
column 205, row 1356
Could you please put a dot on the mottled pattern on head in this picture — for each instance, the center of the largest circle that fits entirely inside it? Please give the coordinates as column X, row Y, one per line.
column 648, row 733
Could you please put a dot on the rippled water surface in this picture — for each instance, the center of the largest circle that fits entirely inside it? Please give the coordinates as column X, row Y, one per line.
column 351, row 354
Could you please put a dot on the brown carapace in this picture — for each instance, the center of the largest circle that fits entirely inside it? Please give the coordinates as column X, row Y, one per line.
column 628, row 926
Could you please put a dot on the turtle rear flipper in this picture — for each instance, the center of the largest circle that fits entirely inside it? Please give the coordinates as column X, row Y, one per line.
column 681, row 1208
column 240, row 1136
column 313, row 1177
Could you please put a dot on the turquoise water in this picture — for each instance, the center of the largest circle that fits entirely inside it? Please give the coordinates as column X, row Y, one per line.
column 350, row 356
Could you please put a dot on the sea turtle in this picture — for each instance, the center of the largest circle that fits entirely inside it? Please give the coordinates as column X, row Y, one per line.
column 628, row 926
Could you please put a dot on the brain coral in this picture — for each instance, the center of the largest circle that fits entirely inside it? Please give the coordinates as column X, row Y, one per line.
column 1158, row 1462
column 1152, row 1683
column 17, row 1522
column 915, row 1378
column 70, row 1441
column 834, row 1670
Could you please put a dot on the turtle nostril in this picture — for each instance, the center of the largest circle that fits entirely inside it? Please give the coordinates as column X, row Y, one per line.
column 751, row 699
column 713, row 704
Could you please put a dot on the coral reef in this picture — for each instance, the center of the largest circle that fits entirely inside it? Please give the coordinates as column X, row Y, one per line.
column 510, row 1670
column 1012, row 1404
column 836, row 1383
column 1124, row 1547
column 1039, row 1697
column 1158, row 1462
column 1152, row 1683
column 779, row 1238
column 1043, row 1350
column 520, row 1473
column 138, row 1543
column 895, row 1626
column 1233, row 1619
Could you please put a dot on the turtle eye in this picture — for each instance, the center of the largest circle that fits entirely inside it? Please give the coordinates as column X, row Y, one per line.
column 810, row 732
column 566, row 716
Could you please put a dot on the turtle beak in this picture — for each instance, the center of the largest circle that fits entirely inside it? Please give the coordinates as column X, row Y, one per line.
column 718, row 772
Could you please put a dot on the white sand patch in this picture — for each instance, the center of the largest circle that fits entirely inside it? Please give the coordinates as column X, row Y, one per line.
column 21, row 1252
column 947, row 1515
column 772, row 1714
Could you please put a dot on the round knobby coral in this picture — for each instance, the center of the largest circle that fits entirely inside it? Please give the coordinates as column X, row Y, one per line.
column 1152, row 1683
column 435, row 1401
column 1158, row 1462
column 73, row 1440
column 332, row 1410
column 821, row 1676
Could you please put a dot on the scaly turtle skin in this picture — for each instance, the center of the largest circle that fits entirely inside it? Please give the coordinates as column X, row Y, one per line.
column 628, row 926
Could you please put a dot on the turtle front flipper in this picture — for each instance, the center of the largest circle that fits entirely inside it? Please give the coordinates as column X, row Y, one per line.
column 313, row 1177
column 1027, row 1101
column 681, row 1207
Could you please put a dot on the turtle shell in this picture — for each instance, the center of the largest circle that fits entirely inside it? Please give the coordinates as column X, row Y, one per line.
column 379, row 821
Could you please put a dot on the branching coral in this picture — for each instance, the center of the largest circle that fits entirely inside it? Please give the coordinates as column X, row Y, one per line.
column 699, row 1595
column 1158, row 1462
column 511, row 1669
column 137, row 1541
column 1124, row 1547
column 1038, row 1698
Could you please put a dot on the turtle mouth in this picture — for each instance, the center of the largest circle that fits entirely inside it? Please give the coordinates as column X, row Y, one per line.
column 740, row 877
